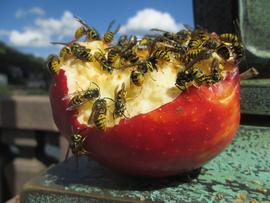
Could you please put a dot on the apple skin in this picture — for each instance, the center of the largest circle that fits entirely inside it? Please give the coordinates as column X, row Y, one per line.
column 177, row 137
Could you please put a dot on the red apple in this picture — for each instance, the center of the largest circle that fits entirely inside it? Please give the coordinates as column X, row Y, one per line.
column 177, row 136
column 179, row 94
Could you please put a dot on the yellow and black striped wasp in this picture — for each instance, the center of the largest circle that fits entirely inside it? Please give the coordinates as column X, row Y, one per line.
column 113, row 54
column 109, row 35
column 123, row 41
column 229, row 38
column 78, row 51
column 90, row 32
column 81, row 97
column 193, row 75
column 215, row 75
column 101, row 59
column 193, row 56
column 53, row 63
column 76, row 142
column 120, row 101
column 98, row 115
column 65, row 53
column 184, row 36
column 145, row 65
column 166, row 34
column 235, row 42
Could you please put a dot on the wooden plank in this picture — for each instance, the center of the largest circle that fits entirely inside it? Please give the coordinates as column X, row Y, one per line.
column 26, row 112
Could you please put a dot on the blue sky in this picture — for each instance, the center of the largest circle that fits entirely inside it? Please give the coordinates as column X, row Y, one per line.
column 31, row 24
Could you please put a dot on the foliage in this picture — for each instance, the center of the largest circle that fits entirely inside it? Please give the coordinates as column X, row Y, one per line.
column 20, row 67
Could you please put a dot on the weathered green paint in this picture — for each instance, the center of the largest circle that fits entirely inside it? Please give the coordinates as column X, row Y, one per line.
column 255, row 96
column 243, row 168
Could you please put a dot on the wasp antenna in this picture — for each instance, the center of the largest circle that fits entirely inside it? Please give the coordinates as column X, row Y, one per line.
column 117, row 29
column 62, row 43
column 96, row 85
column 110, row 25
column 108, row 98
column 78, row 19
column 82, row 22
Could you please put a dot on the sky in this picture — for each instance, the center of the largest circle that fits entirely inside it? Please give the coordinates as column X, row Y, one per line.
column 31, row 25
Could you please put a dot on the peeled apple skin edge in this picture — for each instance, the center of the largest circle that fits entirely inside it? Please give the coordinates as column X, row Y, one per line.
column 177, row 137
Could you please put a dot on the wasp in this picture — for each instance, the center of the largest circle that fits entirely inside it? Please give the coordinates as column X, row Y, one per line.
column 173, row 46
column 137, row 77
column 184, row 34
column 53, row 64
column 78, row 51
column 123, row 41
column 194, row 56
column 99, row 113
column 90, row 32
column 132, row 41
column 169, row 35
column 76, row 146
column 113, row 54
column 65, row 52
column 81, row 52
column 120, row 101
column 229, row 38
column 129, row 55
column 191, row 54
column 150, row 63
column 159, row 54
column 108, row 36
column 183, row 37
column 211, row 43
column 194, row 75
column 144, row 42
column 238, row 50
column 100, row 57
column 81, row 97
column 215, row 73
column 195, row 43
column 201, row 34
column 80, row 32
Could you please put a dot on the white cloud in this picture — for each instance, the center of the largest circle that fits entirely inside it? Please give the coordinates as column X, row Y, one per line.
column 149, row 18
column 64, row 26
column 33, row 38
column 32, row 11
column 37, row 10
column 43, row 31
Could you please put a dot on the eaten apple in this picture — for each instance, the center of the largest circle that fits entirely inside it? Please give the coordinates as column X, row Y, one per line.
column 165, row 128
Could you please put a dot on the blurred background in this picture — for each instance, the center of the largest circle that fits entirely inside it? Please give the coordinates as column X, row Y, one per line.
column 29, row 140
